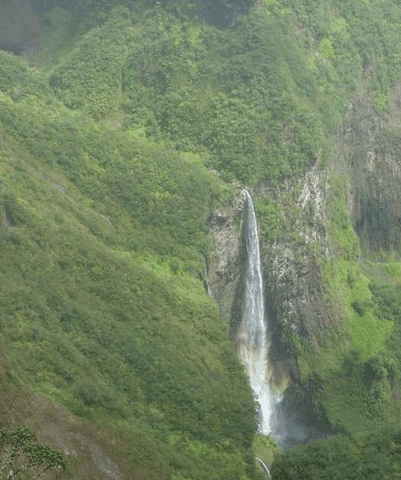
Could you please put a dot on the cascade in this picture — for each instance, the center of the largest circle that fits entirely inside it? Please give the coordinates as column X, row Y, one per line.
column 252, row 343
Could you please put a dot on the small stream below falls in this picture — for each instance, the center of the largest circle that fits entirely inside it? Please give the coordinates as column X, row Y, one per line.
column 252, row 343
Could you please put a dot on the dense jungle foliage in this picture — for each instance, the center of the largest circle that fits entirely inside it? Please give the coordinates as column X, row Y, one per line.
column 103, row 306
column 117, row 141
column 375, row 457
column 258, row 100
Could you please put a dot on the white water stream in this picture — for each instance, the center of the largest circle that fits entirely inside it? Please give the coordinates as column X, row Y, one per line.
column 252, row 339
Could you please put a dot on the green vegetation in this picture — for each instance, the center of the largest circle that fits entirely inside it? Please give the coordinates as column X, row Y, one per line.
column 255, row 105
column 266, row 449
column 352, row 369
column 103, row 244
column 340, row 364
column 20, row 454
column 105, row 194
column 342, row 457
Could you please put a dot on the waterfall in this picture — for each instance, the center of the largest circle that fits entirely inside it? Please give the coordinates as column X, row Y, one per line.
column 252, row 338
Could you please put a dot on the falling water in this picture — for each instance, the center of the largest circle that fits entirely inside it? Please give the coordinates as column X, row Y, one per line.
column 252, row 335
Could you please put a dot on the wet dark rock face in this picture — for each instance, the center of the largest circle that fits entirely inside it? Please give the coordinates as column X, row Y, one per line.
column 295, row 298
column 370, row 146
column 226, row 267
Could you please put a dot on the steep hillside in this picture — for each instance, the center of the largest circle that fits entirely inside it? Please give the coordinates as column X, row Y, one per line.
column 87, row 450
column 103, row 304
column 127, row 132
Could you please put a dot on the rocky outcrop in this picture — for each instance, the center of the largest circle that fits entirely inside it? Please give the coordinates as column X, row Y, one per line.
column 366, row 167
column 296, row 301
column 369, row 145
column 295, row 297
column 226, row 267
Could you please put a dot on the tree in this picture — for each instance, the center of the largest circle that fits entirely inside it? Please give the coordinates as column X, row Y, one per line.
column 20, row 453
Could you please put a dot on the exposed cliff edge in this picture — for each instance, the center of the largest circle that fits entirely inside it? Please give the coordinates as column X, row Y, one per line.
column 296, row 301
column 366, row 170
column 295, row 297
column 226, row 267
column 369, row 145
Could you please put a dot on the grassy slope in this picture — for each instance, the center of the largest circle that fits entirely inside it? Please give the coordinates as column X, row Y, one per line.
column 103, row 307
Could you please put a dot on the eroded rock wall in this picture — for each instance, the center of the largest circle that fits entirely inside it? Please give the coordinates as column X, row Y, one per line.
column 295, row 296
column 226, row 267
column 369, row 145
column 294, row 293
column 296, row 300
column 366, row 167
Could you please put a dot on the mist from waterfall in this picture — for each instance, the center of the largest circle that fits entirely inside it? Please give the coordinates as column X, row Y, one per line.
column 252, row 336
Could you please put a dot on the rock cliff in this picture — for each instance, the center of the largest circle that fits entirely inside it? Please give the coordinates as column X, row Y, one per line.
column 369, row 145
column 294, row 293
column 366, row 165
column 226, row 267
column 295, row 296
